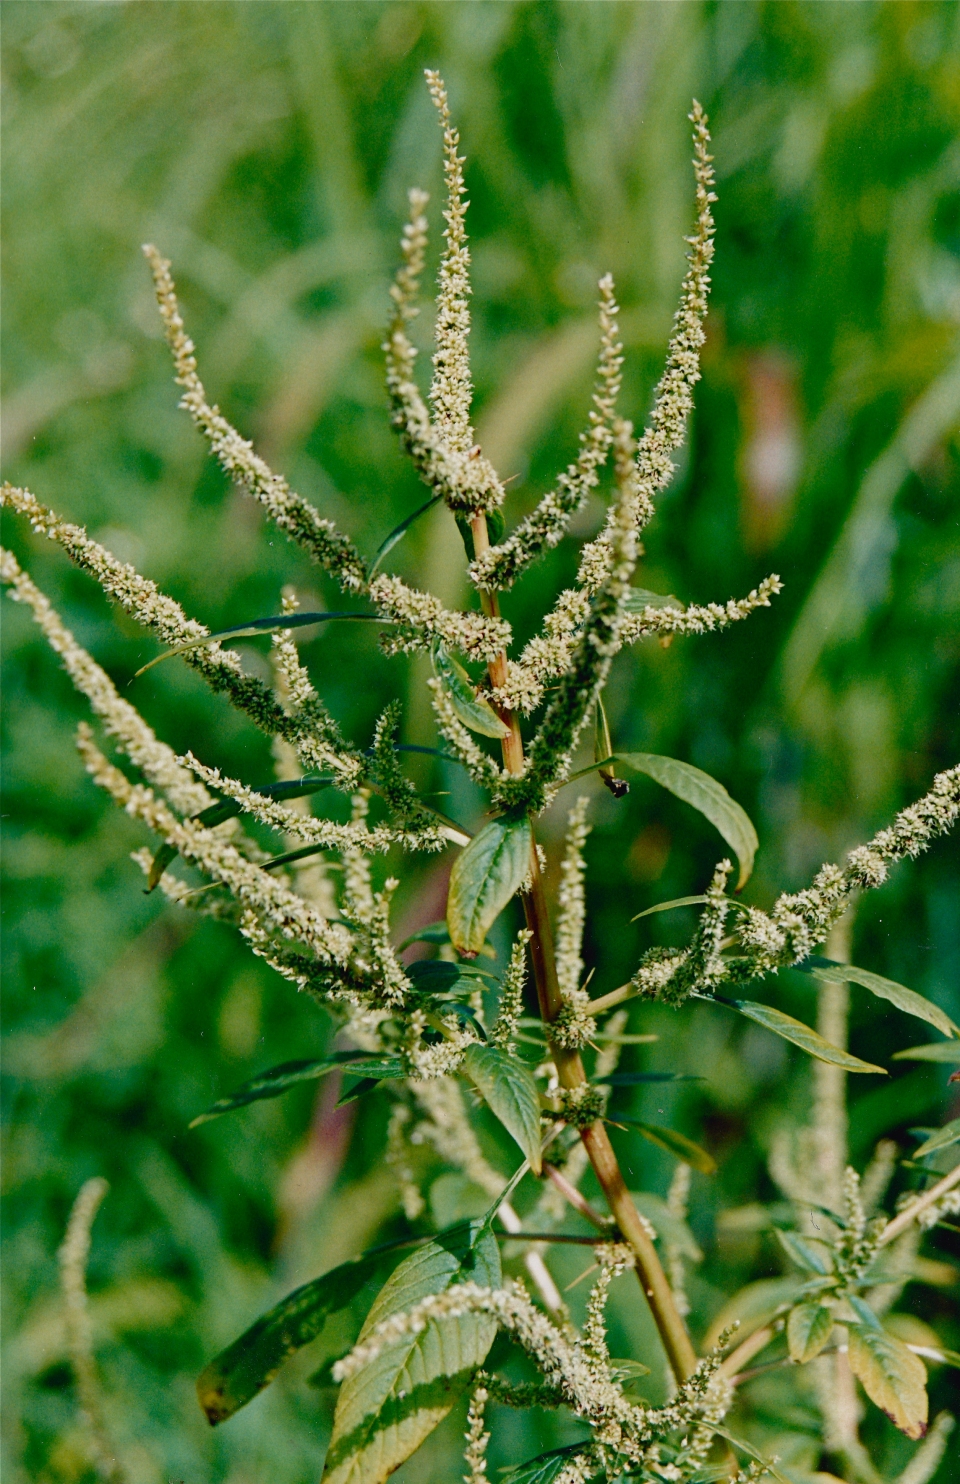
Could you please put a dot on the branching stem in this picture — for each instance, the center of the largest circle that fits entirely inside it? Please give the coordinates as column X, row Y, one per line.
column 569, row 1065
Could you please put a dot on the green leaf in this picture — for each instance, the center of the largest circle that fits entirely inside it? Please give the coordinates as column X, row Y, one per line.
column 639, row 598
column 387, row 1408
column 224, row 809
column 546, row 1466
column 886, row 989
column 706, row 794
column 398, row 533
column 801, row 1035
column 809, row 1327
column 676, row 1144
column 750, row 1452
column 279, row 1079
column 484, row 878
column 496, row 528
column 942, row 1139
column 668, row 1227
column 255, row 626
column 238, row 1373
column 473, row 710
column 806, row 1252
column 508, row 1087
column 684, row 902
column 438, row 932
column 631, row 1079
column 891, row 1375
column 946, row 1051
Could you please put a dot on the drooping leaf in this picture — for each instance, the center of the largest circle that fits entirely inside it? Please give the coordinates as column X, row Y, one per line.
column 387, row 1408
column 473, row 710
column 374, row 1072
column 769, row 1468
column 398, row 533
column 676, row 1144
column 159, row 864
column 254, row 626
column 545, row 1467
column 891, row 1375
column 438, row 932
column 484, row 878
column 708, row 796
column 669, row 1227
column 809, row 1327
column 509, row 1090
column 942, row 1139
column 244, row 1368
column 277, row 1080
column 885, row 989
column 806, row 1252
column 801, row 1035
column 436, row 976
column 945, row 1051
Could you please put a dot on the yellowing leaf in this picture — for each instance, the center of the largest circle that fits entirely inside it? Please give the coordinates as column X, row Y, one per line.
column 704, row 793
column 387, row 1408
column 946, row 1051
column 892, row 1377
column 484, row 878
column 507, row 1086
column 809, row 1327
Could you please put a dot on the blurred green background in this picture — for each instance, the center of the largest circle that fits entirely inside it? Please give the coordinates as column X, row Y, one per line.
column 267, row 149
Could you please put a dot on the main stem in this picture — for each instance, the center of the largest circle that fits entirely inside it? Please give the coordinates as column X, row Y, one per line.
column 570, row 1072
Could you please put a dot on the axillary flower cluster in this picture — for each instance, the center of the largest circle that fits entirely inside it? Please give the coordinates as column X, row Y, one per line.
column 424, row 1032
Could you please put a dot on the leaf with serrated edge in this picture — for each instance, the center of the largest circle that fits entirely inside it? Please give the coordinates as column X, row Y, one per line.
column 946, row 1051
column 473, row 710
column 942, row 1139
column 387, row 1408
column 244, row 1368
column 484, row 878
column 892, row 1377
column 806, row 1252
column 676, row 1144
column 508, row 1088
column 885, row 989
column 288, row 1074
column 801, row 1035
column 708, row 796
column 809, row 1327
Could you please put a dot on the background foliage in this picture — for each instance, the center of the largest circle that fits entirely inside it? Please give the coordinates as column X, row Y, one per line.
column 267, row 148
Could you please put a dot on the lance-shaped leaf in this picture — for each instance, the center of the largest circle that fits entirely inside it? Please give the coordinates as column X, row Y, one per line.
column 224, row 809
column 508, row 1088
column 942, row 1139
column 387, row 1408
column 473, row 710
column 676, row 1144
column 885, row 989
column 806, row 1252
column 801, row 1035
column 633, row 1079
column 484, row 878
column 699, row 901
column 945, row 1051
column 708, row 796
column 279, row 1079
column 255, row 626
column 238, row 1373
column 891, row 1375
column 809, row 1327
column 398, row 532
